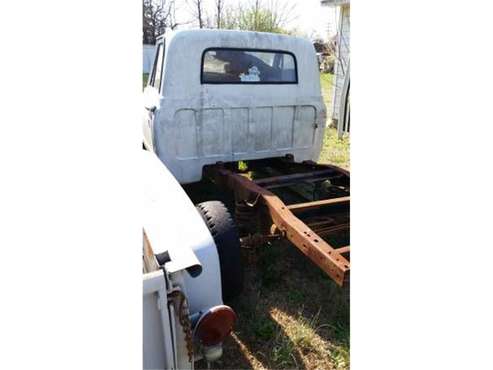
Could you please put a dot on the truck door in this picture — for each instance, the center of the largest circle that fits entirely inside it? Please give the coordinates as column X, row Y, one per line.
column 152, row 96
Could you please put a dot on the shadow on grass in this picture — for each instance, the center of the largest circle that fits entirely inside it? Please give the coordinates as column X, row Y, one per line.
column 291, row 315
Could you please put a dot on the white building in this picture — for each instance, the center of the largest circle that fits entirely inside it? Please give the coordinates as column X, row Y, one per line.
column 148, row 57
column 340, row 97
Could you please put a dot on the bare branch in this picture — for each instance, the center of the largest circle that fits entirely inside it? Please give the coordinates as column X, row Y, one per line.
column 157, row 16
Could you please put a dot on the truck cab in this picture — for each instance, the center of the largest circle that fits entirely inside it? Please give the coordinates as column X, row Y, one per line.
column 224, row 96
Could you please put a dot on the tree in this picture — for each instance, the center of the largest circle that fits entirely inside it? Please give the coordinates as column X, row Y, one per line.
column 219, row 8
column 255, row 15
column 198, row 12
column 157, row 16
column 227, row 16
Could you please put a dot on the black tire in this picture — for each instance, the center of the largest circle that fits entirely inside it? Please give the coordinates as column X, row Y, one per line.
column 225, row 234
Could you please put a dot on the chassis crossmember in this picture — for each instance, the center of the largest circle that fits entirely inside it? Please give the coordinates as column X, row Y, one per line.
column 307, row 203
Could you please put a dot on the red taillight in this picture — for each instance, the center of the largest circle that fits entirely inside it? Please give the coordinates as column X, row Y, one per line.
column 215, row 325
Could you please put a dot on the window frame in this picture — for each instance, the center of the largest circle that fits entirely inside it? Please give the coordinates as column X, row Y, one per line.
column 160, row 48
column 295, row 82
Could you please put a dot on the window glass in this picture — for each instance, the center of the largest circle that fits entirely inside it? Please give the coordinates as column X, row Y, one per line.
column 158, row 66
column 248, row 66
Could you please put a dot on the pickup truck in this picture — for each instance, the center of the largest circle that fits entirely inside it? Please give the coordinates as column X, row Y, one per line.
column 243, row 111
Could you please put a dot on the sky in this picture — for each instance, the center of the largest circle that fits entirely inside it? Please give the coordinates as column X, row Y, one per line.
column 308, row 16
column 312, row 17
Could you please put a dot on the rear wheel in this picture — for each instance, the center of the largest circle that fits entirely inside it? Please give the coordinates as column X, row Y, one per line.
column 225, row 234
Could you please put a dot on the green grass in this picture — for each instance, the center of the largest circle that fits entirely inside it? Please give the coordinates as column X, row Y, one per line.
column 335, row 151
column 298, row 318
column 145, row 76
column 326, row 85
column 264, row 329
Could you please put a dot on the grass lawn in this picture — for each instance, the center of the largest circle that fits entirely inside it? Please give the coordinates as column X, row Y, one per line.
column 335, row 151
column 326, row 85
column 145, row 76
column 290, row 315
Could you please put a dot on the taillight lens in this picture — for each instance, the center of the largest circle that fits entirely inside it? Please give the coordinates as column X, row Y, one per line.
column 215, row 325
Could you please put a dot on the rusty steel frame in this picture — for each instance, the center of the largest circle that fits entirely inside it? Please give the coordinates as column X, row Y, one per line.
column 299, row 207
column 328, row 258
column 281, row 180
column 343, row 250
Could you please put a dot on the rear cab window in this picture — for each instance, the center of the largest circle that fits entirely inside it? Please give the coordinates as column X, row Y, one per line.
column 248, row 66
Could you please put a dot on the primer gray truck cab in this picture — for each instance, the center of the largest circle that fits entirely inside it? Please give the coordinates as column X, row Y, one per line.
column 222, row 96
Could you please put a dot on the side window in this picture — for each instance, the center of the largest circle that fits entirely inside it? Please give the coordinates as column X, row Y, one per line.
column 155, row 79
column 245, row 66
